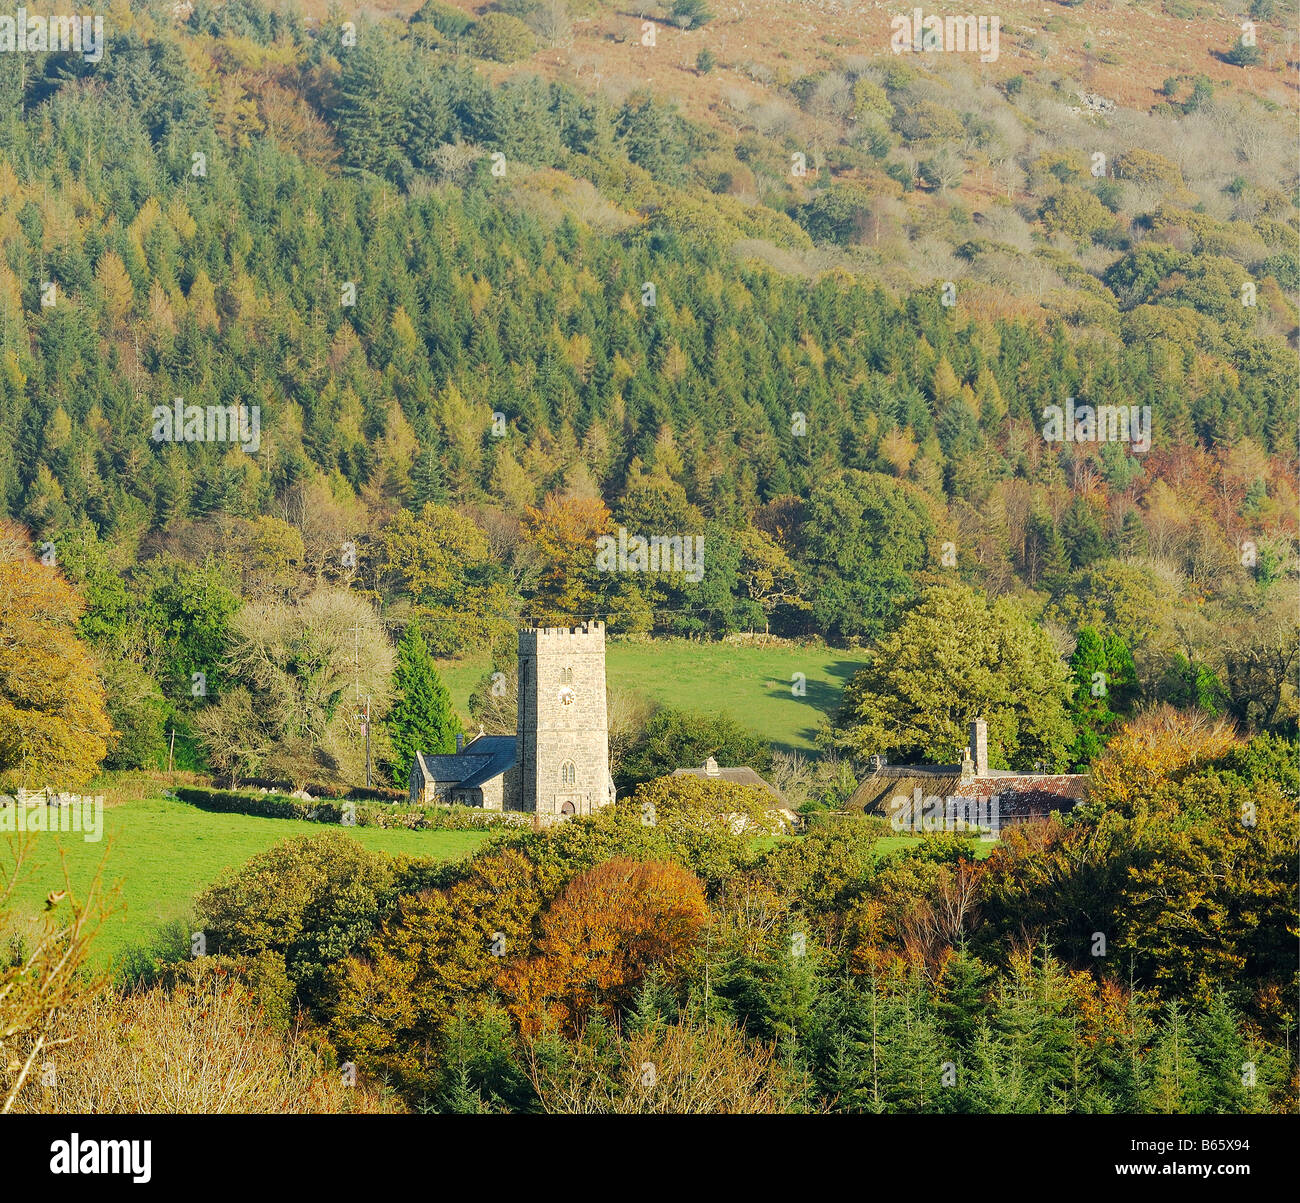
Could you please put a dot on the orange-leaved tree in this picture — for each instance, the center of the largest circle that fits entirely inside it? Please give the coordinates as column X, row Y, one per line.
column 1152, row 750
column 600, row 937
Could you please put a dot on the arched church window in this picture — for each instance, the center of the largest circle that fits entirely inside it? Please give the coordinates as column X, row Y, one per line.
column 566, row 676
column 568, row 773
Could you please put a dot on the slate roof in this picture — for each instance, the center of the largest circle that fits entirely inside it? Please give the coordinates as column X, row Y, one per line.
column 742, row 775
column 499, row 753
column 479, row 761
column 1020, row 795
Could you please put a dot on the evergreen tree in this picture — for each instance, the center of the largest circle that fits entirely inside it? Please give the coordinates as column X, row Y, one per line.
column 1225, row 1064
column 422, row 718
column 1090, row 698
column 1082, row 534
column 1174, row 1074
column 1046, row 561
column 961, row 996
column 428, row 484
column 1132, row 535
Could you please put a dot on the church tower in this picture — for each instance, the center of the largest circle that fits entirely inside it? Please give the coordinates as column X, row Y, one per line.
column 563, row 728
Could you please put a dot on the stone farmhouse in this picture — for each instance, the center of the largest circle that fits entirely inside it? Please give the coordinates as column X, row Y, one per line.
column 1020, row 796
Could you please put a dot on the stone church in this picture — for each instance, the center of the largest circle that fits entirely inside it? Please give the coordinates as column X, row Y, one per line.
column 557, row 762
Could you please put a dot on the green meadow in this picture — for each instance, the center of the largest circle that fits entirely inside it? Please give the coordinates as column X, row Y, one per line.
column 752, row 683
column 164, row 852
column 161, row 853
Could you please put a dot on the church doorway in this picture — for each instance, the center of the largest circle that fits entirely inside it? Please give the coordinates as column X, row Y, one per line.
column 567, row 809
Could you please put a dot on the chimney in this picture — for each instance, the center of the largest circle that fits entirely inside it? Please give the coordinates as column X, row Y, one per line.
column 967, row 766
column 979, row 746
column 460, row 741
column 710, row 767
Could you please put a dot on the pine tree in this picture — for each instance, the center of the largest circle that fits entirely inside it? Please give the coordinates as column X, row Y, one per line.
column 961, row 995
column 1045, row 559
column 1082, row 534
column 1122, row 1065
column 1174, row 1074
column 422, row 718
column 428, row 484
column 1225, row 1063
column 1132, row 536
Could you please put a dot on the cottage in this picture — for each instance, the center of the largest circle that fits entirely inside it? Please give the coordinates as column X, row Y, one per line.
column 889, row 789
column 742, row 775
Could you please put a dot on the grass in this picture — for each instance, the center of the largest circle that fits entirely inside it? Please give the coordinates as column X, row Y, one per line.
column 162, row 853
column 752, row 683
column 165, row 852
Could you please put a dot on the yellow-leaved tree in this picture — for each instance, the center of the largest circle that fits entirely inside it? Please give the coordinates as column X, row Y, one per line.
column 54, row 728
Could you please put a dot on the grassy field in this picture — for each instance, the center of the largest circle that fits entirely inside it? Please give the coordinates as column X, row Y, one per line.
column 751, row 683
column 164, row 852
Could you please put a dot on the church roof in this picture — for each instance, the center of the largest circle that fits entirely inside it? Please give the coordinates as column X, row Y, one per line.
column 478, row 762
column 498, row 754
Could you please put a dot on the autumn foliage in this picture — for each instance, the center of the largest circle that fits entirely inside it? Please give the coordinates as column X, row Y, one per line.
column 1156, row 746
column 54, row 728
column 600, row 937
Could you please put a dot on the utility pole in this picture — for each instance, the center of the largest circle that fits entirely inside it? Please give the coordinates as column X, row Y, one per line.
column 367, row 731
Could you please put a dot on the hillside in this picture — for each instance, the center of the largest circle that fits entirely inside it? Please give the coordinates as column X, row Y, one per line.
column 897, row 402
column 485, row 287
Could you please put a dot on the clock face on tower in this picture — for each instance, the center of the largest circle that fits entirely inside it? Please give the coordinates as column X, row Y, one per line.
column 566, row 696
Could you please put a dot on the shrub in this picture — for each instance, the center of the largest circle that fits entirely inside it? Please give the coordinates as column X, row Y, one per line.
column 503, row 38
column 701, row 1068
column 126, row 1049
column 690, row 14
column 1148, row 167
column 834, row 215
column 324, row 810
column 443, row 17
column 309, row 900
column 1077, row 213
column 1284, row 268
column 1242, row 55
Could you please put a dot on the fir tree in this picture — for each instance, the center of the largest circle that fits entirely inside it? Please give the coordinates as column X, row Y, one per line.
column 1226, row 1067
column 961, row 996
column 422, row 718
column 1174, row 1073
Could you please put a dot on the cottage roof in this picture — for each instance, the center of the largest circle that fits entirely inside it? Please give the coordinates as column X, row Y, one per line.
column 1021, row 795
column 741, row 775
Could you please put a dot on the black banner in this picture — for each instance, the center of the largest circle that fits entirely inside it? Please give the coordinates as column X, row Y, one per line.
column 338, row 1152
